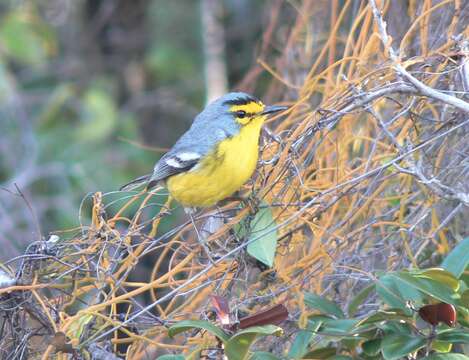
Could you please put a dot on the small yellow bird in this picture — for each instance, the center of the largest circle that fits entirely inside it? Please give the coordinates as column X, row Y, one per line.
column 216, row 156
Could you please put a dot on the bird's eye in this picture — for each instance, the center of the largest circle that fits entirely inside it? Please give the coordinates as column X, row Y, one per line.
column 241, row 114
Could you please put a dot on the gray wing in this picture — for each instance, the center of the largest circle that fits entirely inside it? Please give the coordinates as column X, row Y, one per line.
column 174, row 162
column 198, row 141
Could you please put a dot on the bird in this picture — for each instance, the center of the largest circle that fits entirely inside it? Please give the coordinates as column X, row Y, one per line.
column 216, row 156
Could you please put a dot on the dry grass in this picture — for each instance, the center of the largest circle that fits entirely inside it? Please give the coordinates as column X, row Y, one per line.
column 368, row 172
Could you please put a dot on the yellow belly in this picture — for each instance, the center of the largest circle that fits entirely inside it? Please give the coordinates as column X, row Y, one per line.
column 220, row 173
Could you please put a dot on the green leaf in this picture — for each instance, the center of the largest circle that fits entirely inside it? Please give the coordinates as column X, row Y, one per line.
column 75, row 330
column 458, row 259
column 324, row 305
column 427, row 286
column 385, row 315
column 185, row 325
column 441, row 346
column 396, row 293
column 396, row 346
column 454, row 336
column 263, row 355
column 446, row 357
column 322, row 353
column 237, row 347
column 439, row 275
column 262, row 228
column 303, row 337
column 372, row 347
column 359, row 299
column 170, row 357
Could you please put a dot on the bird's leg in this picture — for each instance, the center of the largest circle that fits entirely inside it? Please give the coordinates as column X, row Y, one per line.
column 200, row 239
column 250, row 201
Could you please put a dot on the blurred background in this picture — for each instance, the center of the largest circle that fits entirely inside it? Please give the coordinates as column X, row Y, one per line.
column 93, row 91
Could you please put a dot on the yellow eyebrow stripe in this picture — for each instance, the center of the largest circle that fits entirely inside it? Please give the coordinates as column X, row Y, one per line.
column 250, row 108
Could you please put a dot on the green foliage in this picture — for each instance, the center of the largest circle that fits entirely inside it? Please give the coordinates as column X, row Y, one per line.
column 391, row 331
column 263, row 228
column 236, row 346
column 323, row 305
column 458, row 259
column 186, row 325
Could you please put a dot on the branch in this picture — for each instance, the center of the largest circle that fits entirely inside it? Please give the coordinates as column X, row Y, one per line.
column 420, row 86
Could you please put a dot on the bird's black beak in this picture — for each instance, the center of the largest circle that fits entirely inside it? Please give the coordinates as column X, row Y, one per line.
column 273, row 109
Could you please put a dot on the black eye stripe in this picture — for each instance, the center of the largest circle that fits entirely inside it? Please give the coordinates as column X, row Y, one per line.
column 243, row 114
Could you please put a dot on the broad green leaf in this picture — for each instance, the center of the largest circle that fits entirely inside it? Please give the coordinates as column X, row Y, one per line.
column 185, row 325
column 395, row 327
column 427, row 286
column 396, row 293
column 446, row 357
column 458, row 259
column 263, row 229
column 322, row 353
column 300, row 345
column 359, row 299
column 324, row 305
column 263, row 355
column 454, row 336
column 237, row 347
column 99, row 116
column 372, row 347
column 385, row 315
column 344, row 329
column 439, row 275
column 170, row 357
column 441, row 346
column 397, row 346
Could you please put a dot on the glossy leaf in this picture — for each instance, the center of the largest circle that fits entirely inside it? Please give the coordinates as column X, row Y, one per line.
column 237, row 348
column 396, row 346
column 186, row 325
column 324, row 305
column 385, row 315
column 441, row 346
column 441, row 276
column 396, row 293
column 427, row 286
column 458, row 259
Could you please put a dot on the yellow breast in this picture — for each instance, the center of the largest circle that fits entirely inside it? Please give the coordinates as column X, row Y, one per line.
column 220, row 173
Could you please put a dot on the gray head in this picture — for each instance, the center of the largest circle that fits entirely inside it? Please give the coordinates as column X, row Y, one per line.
column 238, row 107
column 223, row 118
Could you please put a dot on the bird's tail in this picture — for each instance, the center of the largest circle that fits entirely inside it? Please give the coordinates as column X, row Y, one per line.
column 134, row 184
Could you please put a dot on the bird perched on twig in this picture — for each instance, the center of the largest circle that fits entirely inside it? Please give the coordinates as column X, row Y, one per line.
column 216, row 156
